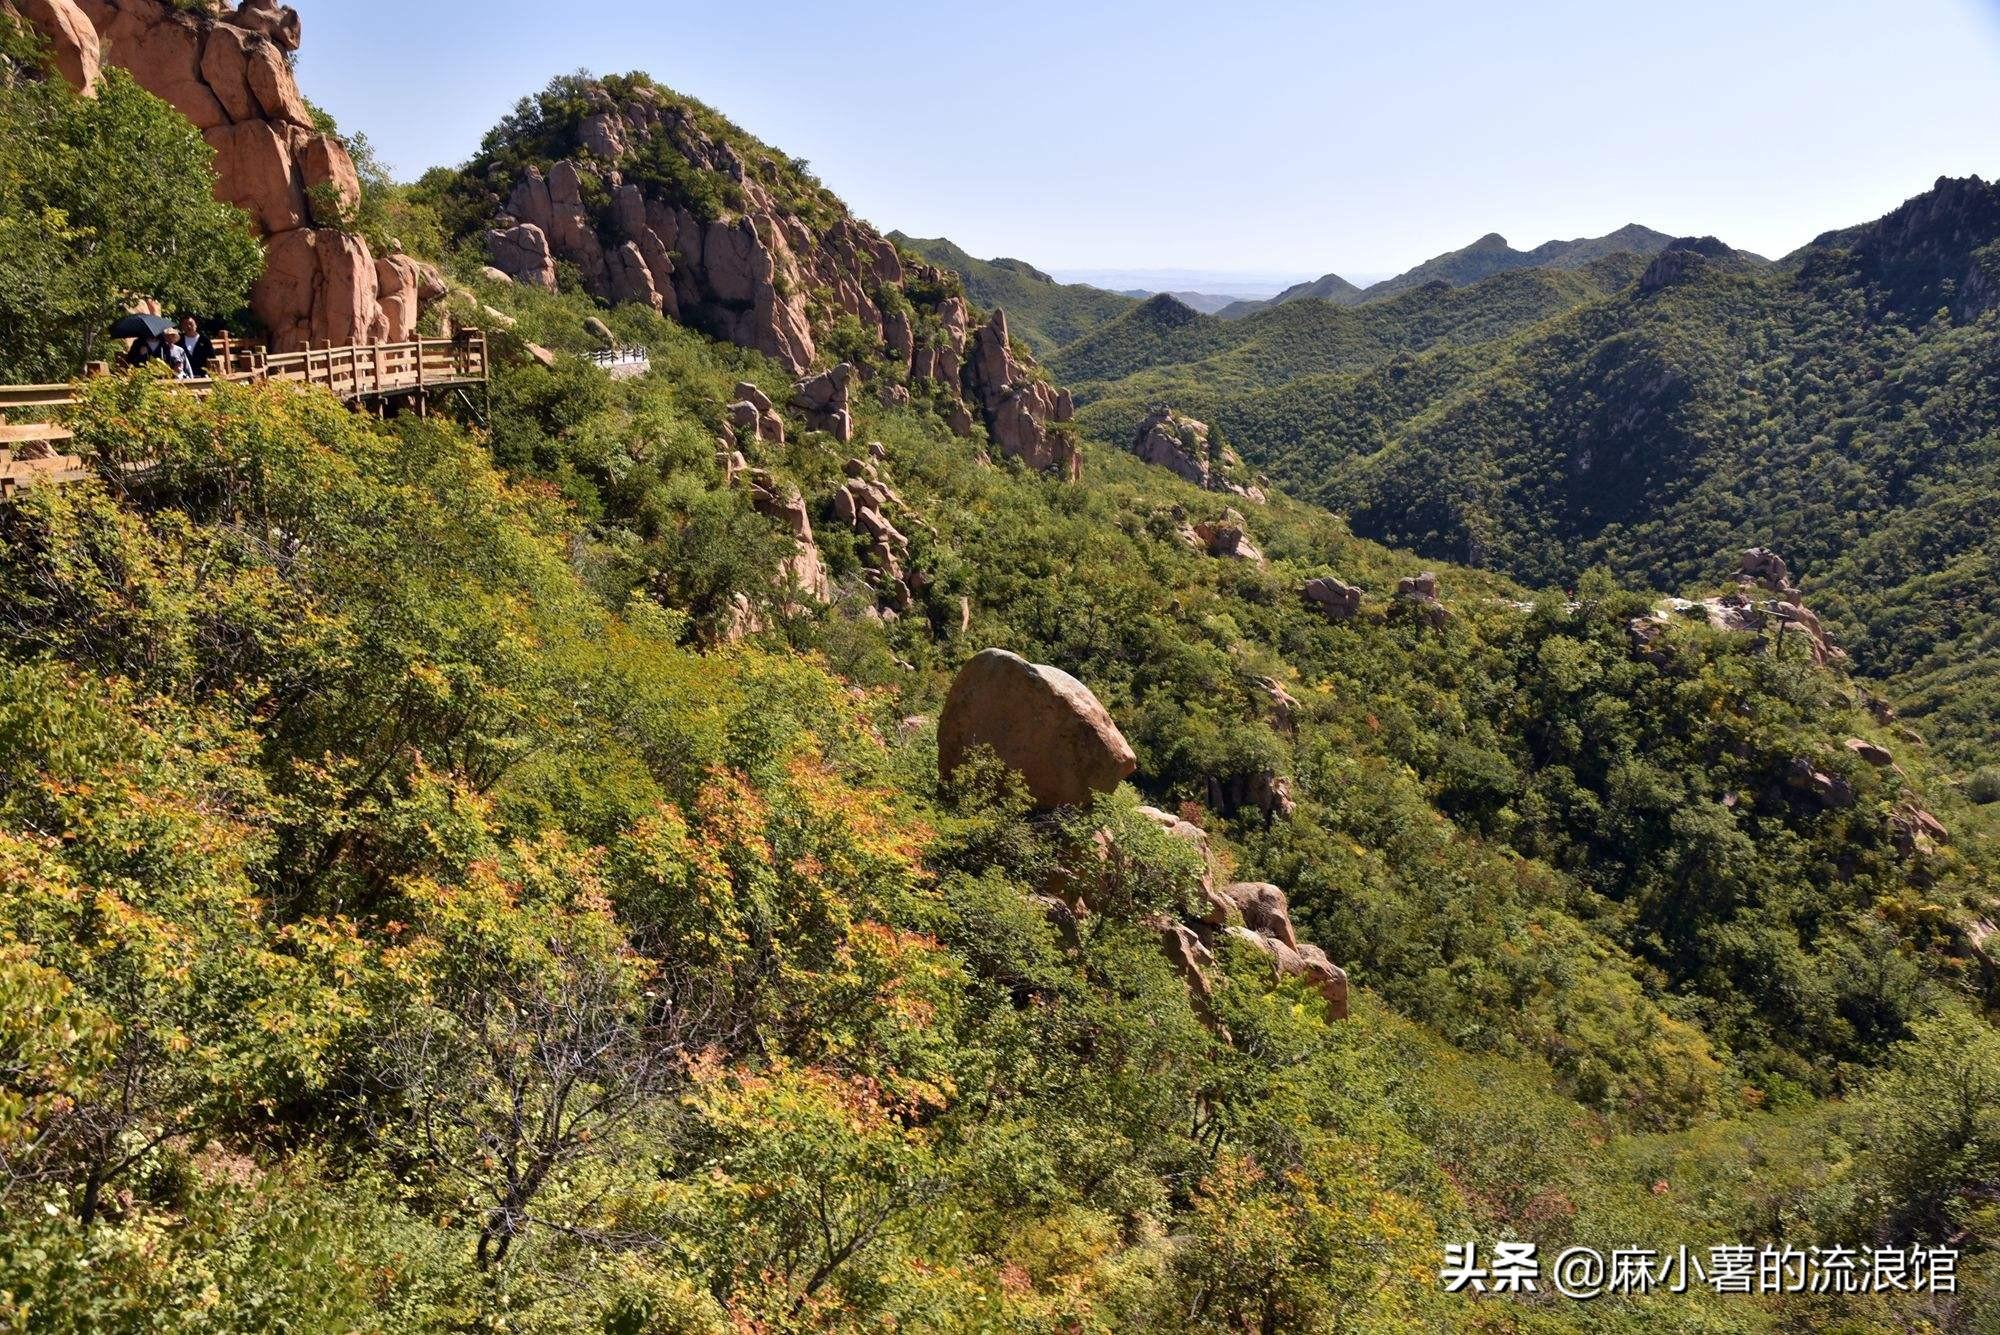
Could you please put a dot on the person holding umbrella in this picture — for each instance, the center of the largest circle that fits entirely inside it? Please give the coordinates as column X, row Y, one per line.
column 145, row 331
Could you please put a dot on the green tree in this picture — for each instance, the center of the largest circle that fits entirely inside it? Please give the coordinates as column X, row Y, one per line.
column 103, row 199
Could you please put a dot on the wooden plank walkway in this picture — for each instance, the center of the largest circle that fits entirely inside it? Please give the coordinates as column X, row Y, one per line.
column 360, row 375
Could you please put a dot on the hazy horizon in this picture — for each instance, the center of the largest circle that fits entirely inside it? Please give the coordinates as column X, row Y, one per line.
column 1275, row 139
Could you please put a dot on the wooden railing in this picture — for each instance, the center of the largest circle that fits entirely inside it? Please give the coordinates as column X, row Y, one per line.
column 357, row 374
column 357, row 371
column 36, row 459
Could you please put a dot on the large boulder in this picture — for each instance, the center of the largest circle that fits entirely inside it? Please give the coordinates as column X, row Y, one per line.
column 824, row 401
column 1041, row 722
column 1228, row 536
column 1418, row 594
column 318, row 286
column 521, row 252
column 403, row 287
column 1264, row 909
column 71, row 37
column 1307, row 962
column 1767, row 569
column 1332, row 599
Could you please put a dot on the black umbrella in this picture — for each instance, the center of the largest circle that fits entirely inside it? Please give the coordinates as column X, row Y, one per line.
column 141, row 326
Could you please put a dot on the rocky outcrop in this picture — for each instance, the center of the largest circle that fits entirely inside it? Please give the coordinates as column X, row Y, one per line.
column 1829, row 790
column 1041, row 722
column 405, row 288
column 1868, row 752
column 1256, row 913
column 1228, row 536
column 1934, row 251
column 1684, row 260
column 1307, row 962
column 754, row 417
column 521, row 254
column 1418, row 595
column 1765, row 599
column 823, row 401
column 72, row 39
column 735, row 241
column 1916, row 831
column 1180, row 444
column 1094, row 878
column 229, row 72
column 864, row 504
column 744, row 272
column 1331, row 598
column 1269, row 795
column 1025, row 415
column 804, row 575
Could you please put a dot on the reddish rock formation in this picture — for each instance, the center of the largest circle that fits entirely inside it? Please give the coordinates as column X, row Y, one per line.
column 1829, row 790
column 1332, row 599
column 863, row 505
column 1041, row 722
column 1024, row 413
column 1178, row 444
column 803, row 574
column 1308, row 962
column 228, row 73
column 1419, row 594
column 1916, row 831
column 1766, row 599
column 1228, row 536
column 753, row 416
column 521, row 254
column 1868, row 751
column 72, row 39
column 744, row 274
column 823, row 400
column 1264, row 909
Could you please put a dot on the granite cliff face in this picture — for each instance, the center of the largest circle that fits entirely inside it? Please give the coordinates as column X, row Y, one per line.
column 227, row 71
column 657, row 200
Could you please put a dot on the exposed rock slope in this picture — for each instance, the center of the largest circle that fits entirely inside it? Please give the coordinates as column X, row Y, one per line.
column 657, row 200
column 230, row 73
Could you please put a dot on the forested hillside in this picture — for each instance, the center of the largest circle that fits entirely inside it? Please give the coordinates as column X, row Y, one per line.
column 1484, row 258
column 1164, row 352
column 1838, row 407
column 1044, row 314
column 501, row 872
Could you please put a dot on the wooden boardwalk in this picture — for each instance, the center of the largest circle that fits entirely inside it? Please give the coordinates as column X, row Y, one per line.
column 362, row 375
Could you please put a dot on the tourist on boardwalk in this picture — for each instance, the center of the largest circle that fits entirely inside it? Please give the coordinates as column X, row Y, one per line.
column 198, row 347
column 145, row 348
column 174, row 355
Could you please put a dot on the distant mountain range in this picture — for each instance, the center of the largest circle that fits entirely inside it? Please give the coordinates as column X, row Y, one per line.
column 1487, row 256
column 1049, row 314
column 1208, row 303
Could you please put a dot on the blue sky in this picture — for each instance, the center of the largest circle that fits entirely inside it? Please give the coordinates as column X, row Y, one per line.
column 1279, row 138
